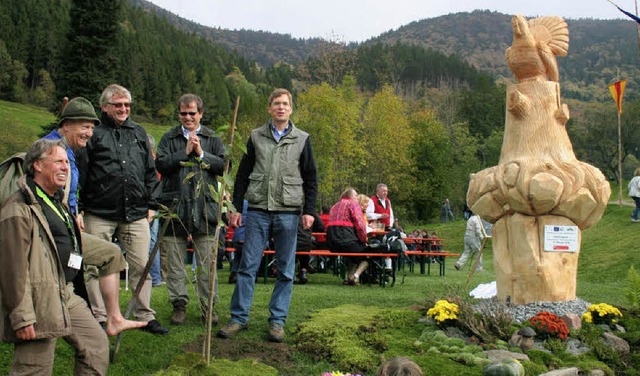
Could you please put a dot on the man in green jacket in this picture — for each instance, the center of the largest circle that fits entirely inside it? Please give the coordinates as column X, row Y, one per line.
column 278, row 176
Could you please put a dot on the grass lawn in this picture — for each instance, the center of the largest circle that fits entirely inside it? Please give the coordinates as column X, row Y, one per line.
column 608, row 250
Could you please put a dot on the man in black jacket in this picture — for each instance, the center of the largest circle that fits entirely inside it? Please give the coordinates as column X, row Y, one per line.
column 190, row 142
column 118, row 191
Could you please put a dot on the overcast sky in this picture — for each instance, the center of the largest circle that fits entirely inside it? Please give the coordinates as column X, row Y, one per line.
column 359, row 20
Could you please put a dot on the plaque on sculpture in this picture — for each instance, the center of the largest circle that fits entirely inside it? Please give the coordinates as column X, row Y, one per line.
column 561, row 238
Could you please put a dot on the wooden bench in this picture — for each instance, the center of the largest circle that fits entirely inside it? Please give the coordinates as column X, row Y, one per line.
column 376, row 266
column 424, row 258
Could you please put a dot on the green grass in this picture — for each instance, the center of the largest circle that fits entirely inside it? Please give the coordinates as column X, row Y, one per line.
column 608, row 250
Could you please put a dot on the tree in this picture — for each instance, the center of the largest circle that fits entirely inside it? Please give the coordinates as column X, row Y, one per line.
column 90, row 59
column 388, row 137
column 331, row 116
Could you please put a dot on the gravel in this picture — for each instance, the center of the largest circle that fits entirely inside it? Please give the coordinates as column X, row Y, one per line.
column 523, row 312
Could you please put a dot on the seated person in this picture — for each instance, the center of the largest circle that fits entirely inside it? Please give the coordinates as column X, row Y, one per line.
column 346, row 231
column 305, row 243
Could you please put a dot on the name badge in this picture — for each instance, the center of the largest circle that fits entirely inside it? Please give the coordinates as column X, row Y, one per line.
column 75, row 260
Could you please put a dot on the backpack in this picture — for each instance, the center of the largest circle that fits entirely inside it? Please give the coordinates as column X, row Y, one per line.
column 11, row 170
column 394, row 242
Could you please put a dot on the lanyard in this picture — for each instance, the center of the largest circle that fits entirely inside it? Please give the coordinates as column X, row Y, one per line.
column 66, row 219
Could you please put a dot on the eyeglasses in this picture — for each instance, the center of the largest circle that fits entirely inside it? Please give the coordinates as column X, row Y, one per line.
column 187, row 113
column 121, row 104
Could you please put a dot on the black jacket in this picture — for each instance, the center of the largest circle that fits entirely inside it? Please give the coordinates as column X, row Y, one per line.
column 120, row 179
column 198, row 215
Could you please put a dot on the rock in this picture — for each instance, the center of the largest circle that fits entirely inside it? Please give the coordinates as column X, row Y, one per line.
column 515, row 340
column 576, row 347
column 597, row 372
column 509, row 367
column 502, row 355
column 573, row 371
column 619, row 328
column 616, row 343
column 572, row 320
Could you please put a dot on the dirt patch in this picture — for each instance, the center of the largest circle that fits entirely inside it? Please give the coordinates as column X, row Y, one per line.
column 276, row 355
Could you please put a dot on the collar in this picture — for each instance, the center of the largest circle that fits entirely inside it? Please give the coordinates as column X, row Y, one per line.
column 185, row 131
column 279, row 134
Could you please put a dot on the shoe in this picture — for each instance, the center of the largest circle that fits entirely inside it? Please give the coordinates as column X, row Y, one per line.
column 302, row 276
column 276, row 332
column 179, row 312
column 154, row 327
column 635, row 220
column 456, row 266
column 214, row 318
column 233, row 278
column 231, row 330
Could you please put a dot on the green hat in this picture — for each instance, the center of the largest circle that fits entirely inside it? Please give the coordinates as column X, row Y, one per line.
column 78, row 109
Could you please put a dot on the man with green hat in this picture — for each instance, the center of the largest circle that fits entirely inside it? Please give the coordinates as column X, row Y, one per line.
column 75, row 126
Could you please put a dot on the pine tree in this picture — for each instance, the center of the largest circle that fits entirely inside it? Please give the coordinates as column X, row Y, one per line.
column 90, row 60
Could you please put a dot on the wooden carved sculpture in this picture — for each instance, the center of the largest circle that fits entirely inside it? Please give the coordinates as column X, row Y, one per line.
column 538, row 185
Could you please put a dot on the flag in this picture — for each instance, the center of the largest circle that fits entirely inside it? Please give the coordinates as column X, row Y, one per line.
column 631, row 15
column 617, row 91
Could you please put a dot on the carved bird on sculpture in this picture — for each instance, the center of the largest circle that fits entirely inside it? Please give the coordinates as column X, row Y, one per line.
column 536, row 43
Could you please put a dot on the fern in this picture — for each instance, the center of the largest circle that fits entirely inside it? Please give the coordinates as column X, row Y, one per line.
column 633, row 288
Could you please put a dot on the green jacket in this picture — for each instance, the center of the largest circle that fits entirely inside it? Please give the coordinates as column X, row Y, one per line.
column 32, row 283
column 277, row 176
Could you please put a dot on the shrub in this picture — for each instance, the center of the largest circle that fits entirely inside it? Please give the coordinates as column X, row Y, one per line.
column 549, row 325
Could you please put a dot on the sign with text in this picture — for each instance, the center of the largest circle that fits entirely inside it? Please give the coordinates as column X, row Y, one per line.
column 561, row 238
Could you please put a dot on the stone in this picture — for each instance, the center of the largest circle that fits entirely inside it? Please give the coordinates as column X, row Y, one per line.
column 502, row 355
column 572, row 320
column 573, row 371
column 616, row 343
column 576, row 347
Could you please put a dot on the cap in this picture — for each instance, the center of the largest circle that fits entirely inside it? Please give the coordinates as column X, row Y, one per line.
column 78, row 109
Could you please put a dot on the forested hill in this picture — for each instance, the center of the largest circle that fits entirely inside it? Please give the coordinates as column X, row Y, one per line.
column 598, row 48
column 264, row 47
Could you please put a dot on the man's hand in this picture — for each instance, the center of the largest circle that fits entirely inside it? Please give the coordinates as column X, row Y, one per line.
column 80, row 221
column 27, row 333
column 193, row 144
column 307, row 221
column 235, row 219
column 385, row 215
column 150, row 215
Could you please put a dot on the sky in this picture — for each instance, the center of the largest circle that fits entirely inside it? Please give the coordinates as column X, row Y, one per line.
column 359, row 20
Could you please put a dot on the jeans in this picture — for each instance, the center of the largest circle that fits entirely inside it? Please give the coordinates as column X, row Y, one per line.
column 156, row 277
column 284, row 229
column 637, row 209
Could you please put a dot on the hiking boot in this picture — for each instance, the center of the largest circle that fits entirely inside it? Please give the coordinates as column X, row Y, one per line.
column 214, row 317
column 457, row 266
column 276, row 332
column 179, row 312
column 231, row 329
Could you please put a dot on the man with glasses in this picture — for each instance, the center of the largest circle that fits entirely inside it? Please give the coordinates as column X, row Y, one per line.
column 278, row 175
column 197, row 212
column 118, row 193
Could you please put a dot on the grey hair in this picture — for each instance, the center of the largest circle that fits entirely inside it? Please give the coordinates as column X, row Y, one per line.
column 380, row 186
column 39, row 150
column 349, row 192
column 113, row 90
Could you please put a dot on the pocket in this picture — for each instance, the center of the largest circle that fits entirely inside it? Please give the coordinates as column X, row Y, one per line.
column 292, row 193
column 256, row 190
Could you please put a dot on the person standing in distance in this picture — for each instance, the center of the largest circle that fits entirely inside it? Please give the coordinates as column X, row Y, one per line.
column 278, row 176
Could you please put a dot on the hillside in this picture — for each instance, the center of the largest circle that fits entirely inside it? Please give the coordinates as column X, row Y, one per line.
column 598, row 48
